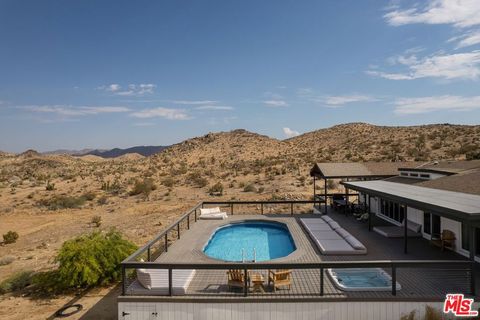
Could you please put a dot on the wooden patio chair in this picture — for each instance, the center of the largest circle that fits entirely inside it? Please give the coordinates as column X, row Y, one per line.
column 236, row 279
column 280, row 278
column 446, row 240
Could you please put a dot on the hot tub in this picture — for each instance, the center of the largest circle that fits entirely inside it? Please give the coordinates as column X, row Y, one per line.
column 361, row 279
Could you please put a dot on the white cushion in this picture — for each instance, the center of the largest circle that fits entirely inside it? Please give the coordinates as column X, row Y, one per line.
column 209, row 210
column 342, row 232
column 354, row 243
column 158, row 279
column 327, row 218
column 334, row 225
column 415, row 227
column 213, row 216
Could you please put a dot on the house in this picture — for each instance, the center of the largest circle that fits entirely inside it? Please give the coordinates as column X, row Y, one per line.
column 435, row 197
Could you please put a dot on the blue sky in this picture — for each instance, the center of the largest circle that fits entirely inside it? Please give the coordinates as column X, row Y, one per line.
column 101, row 74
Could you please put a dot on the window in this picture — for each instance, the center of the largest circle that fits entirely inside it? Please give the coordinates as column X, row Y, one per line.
column 427, row 222
column 392, row 210
column 404, row 174
column 466, row 239
column 413, row 174
column 424, row 175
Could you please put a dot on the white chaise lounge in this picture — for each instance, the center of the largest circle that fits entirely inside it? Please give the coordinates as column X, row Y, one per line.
column 414, row 230
column 330, row 238
column 212, row 214
column 155, row 281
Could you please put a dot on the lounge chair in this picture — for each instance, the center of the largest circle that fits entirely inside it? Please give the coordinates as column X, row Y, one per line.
column 446, row 241
column 330, row 238
column 212, row 214
column 236, row 279
column 280, row 278
column 155, row 281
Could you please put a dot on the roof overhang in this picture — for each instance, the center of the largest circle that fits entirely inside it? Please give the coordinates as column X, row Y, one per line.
column 411, row 196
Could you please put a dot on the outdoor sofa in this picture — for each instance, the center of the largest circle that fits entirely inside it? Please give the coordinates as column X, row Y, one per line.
column 330, row 238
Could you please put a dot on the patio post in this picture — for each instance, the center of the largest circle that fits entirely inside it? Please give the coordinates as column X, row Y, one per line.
column 369, row 213
column 346, row 198
column 326, row 199
column 314, row 190
column 471, row 239
column 405, row 229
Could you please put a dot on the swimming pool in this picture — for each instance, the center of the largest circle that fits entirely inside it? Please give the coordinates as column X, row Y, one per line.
column 361, row 279
column 250, row 241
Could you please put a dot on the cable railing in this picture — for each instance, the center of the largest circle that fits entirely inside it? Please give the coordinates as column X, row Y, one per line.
column 308, row 280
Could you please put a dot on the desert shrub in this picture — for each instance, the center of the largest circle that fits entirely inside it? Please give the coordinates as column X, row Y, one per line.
column 18, row 281
column 430, row 314
column 102, row 200
column 6, row 260
column 168, row 182
column 10, row 237
column 50, row 186
column 197, row 179
column 113, row 188
column 92, row 259
column 473, row 155
column 63, row 202
column 261, row 190
column 216, row 189
column 249, row 188
column 89, row 196
column 96, row 221
column 144, row 187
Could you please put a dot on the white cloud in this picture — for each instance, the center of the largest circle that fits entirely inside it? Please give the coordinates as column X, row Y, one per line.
column 335, row 101
column 436, row 103
column 72, row 111
column 130, row 90
column 276, row 103
column 289, row 133
column 460, row 13
column 160, row 112
column 468, row 39
column 446, row 66
column 214, row 107
column 194, row 102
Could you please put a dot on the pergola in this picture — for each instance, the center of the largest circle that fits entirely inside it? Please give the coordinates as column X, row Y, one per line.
column 458, row 206
column 348, row 171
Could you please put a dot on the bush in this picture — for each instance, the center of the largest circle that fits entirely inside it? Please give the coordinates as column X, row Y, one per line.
column 216, row 189
column 50, row 186
column 97, row 221
column 249, row 188
column 197, row 180
column 168, row 182
column 89, row 196
column 92, row 259
column 16, row 282
column 6, row 260
column 10, row 237
column 144, row 187
column 63, row 202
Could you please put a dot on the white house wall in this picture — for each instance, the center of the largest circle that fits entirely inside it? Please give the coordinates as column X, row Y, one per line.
column 272, row 311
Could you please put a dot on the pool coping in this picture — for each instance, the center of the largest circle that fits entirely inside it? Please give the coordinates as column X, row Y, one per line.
column 189, row 248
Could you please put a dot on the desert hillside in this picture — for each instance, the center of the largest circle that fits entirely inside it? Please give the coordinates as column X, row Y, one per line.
column 48, row 199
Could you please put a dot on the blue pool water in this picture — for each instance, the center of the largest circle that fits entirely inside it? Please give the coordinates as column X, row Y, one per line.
column 269, row 239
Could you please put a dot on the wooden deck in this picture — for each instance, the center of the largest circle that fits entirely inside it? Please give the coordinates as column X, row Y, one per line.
column 417, row 284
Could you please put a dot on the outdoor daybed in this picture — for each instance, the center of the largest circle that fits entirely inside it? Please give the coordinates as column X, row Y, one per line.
column 414, row 230
column 212, row 214
column 330, row 238
column 155, row 282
